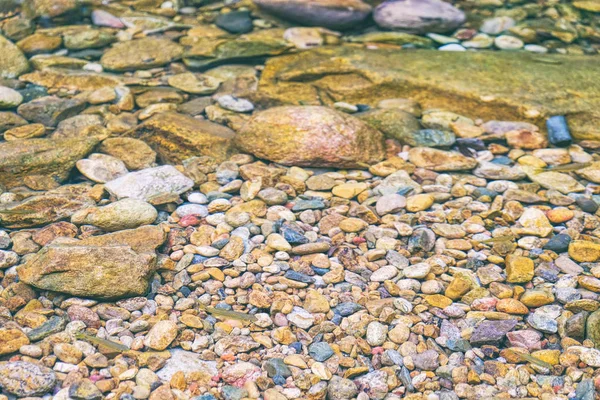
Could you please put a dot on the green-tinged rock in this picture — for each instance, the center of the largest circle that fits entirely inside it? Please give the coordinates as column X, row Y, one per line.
column 311, row 136
column 209, row 51
column 13, row 62
column 397, row 38
column 49, row 8
column 122, row 214
column 53, row 325
column 41, row 157
column 141, row 54
column 552, row 180
column 176, row 137
column 106, row 272
column 447, row 80
column 69, row 79
column 41, row 210
column 392, row 122
column 592, row 328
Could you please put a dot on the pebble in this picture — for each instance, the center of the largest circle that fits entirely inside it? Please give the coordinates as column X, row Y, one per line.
column 235, row 104
column 9, row 98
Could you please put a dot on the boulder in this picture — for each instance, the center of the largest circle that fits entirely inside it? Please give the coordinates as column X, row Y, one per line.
column 311, row 136
column 41, row 157
column 103, row 272
column 13, row 62
column 69, row 79
column 418, row 16
column 41, row 210
column 445, row 80
column 332, row 14
column 176, row 137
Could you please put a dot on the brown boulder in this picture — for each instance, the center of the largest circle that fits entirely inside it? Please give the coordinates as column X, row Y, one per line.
column 311, row 136
column 105, row 272
column 176, row 137
column 513, row 86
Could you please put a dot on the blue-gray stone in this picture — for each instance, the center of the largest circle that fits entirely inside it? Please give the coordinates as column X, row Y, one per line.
column 320, row 351
column 347, row 308
column 233, row 393
column 311, row 203
column 276, row 366
column 431, row 138
column 558, row 243
column 293, row 234
column 502, row 160
column 235, row 21
column 587, row 205
column 585, row 390
column 299, row 277
column 210, row 196
column 558, row 131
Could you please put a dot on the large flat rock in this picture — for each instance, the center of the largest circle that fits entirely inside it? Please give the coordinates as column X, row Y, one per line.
column 176, row 137
column 491, row 85
column 106, row 272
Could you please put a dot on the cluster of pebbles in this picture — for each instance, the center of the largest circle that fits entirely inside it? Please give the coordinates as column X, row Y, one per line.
column 167, row 233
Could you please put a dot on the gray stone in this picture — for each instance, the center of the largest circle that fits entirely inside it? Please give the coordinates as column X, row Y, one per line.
column 418, row 16
column 150, row 182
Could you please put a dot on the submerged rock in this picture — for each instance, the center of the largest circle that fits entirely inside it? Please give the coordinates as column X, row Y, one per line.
column 369, row 76
column 418, row 16
column 13, row 62
column 105, row 272
column 49, row 158
column 310, row 136
column 122, row 214
column 141, row 54
column 337, row 14
column 176, row 137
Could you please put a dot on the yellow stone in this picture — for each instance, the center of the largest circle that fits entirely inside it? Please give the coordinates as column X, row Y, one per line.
column 216, row 273
column 532, row 161
column 536, row 298
column 438, row 300
column 419, row 202
column 295, row 360
column 283, row 335
column 351, row 225
column 512, row 306
column 549, row 356
column 349, row 190
column 519, row 269
column 315, row 302
column 224, row 326
column 460, row 285
column 354, row 372
column 584, row 251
